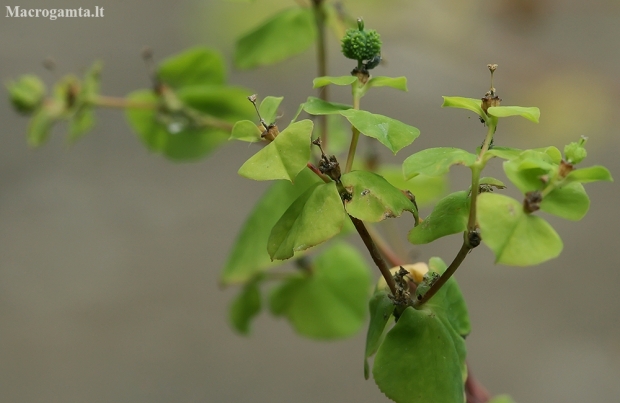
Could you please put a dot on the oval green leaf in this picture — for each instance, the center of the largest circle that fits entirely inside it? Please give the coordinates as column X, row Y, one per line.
column 381, row 308
column 195, row 66
column 418, row 361
column 570, row 201
column 246, row 130
column 374, row 199
column 590, row 174
column 269, row 108
column 390, row 132
column 316, row 216
column 530, row 113
column 265, row 44
column 472, row 104
column 326, row 80
column 330, row 302
column 249, row 255
column 448, row 217
column 426, row 189
column 516, row 238
column 245, row 306
column 316, row 106
column 284, row 157
column 436, row 161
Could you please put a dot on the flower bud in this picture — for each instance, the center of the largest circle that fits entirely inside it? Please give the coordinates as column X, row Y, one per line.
column 575, row 152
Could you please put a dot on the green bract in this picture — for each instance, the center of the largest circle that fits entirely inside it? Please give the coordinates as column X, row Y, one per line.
column 448, row 217
column 436, row 161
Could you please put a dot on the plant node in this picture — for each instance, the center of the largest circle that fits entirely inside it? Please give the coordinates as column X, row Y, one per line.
column 532, row 201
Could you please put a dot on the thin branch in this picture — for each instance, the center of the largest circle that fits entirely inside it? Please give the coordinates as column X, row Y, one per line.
column 474, row 391
column 391, row 256
column 374, row 253
column 321, row 55
column 354, row 139
column 458, row 259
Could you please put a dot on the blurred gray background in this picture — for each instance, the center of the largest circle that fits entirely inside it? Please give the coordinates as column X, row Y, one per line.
column 110, row 256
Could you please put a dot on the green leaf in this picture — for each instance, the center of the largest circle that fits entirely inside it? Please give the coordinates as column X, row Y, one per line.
column 527, row 171
column 590, row 174
column 436, row 161
column 172, row 135
column 390, row 132
column 284, row 157
column 316, row 106
column 516, row 238
column 399, row 83
column 330, row 301
column 39, row 127
column 196, row 66
column 246, row 306
column 448, row 217
column 569, row 201
column 491, row 182
column 80, row 123
column 381, row 308
column 418, row 361
column 474, row 105
column 249, row 255
column 269, row 108
column 374, row 199
column 246, row 130
column 326, row 80
column 426, row 189
column 339, row 134
column 83, row 118
column 316, row 216
column 505, row 153
column 530, row 113
column 288, row 33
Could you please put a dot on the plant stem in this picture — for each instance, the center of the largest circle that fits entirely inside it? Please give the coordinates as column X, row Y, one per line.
column 321, row 55
column 474, row 391
column 458, row 259
column 115, row 102
column 374, row 253
column 354, row 138
column 316, row 170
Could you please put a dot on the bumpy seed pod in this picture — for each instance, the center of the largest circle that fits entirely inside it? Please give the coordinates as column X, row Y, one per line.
column 362, row 45
column 575, row 152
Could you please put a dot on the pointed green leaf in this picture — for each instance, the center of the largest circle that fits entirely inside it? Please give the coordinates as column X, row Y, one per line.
column 269, row 108
column 284, row 157
column 195, row 66
column 316, row 216
column 249, row 254
column 436, row 161
column 373, row 198
column 316, row 106
column 530, row 113
column 81, row 122
column 288, row 33
column 83, row 118
column 426, row 189
column 472, row 104
column 326, row 80
column 329, row 302
column 246, row 130
column 590, row 174
column 245, row 306
column 381, row 308
column 516, row 238
column 569, row 201
column 448, row 217
column 390, row 132
column 418, row 361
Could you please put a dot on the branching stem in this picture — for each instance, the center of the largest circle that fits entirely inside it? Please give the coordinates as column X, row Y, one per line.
column 354, row 138
column 321, row 56
column 374, row 253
